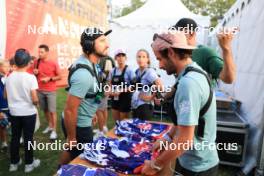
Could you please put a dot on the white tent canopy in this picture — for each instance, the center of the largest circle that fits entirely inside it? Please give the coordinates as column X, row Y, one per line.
column 160, row 13
column 135, row 30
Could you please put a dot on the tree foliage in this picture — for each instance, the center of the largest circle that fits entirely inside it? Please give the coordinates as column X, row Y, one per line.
column 213, row 8
column 135, row 4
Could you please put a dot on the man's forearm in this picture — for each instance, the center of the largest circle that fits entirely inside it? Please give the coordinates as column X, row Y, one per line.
column 168, row 95
column 180, row 143
column 146, row 98
column 172, row 131
column 70, row 121
column 228, row 72
column 56, row 78
column 171, row 154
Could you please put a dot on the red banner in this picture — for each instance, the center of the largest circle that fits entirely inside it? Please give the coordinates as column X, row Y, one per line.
column 57, row 23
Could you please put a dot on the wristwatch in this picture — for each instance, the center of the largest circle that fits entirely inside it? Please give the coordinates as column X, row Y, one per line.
column 153, row 166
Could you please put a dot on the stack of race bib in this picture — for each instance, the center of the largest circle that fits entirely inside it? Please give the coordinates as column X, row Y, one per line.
column 122, row 155
column 136, row 128
column 79, row 170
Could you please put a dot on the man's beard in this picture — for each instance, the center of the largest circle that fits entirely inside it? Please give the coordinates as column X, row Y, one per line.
column 171, row 69
column 100, row 55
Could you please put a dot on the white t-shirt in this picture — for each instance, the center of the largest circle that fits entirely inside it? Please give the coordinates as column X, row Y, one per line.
column 18, row 87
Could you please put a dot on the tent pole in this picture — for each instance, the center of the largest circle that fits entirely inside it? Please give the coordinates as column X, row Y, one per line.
column 260, row 167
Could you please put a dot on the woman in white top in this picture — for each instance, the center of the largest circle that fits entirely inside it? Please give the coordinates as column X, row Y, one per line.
column 22, row 99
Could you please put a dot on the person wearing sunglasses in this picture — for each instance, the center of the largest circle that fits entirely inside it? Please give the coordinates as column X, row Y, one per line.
column 192, row 111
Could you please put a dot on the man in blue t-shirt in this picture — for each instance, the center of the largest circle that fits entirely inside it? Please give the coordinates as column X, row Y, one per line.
column 82, row 101
column 193, row 112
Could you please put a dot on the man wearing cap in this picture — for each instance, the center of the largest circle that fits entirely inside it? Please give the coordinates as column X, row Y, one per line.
column 83, row 94
column 120, row 78
column 206, row 57
column 194, row 108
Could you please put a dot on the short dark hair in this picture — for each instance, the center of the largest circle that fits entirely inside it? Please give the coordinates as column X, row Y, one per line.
column 186, row 23
column 22, row 58
column 182, row 53
column 85, row 41
column 46, row 48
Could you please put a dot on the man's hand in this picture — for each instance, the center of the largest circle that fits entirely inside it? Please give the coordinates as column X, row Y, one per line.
column 228, row 72
column 147, row 169
column 71, row 143
column 94, row 120
column 146, row 98
column 225, row 38
column 45, row 80
column 107, row 93
column 35, row 72
column 157, row 101
column 1, row 115
column 157, row 145
column 116, row 94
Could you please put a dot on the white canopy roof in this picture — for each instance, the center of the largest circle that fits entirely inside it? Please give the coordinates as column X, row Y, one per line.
column 135, row 30
column 159, row 13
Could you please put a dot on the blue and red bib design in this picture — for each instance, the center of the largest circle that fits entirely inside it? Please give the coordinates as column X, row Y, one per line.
column 135, row 128
column 122, row 155
column 79, row 170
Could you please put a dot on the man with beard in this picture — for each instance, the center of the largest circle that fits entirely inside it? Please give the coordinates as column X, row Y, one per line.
column 193, row 112
column 83, row 94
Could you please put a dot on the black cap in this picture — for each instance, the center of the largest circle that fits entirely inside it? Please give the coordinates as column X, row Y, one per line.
column 22, row 57
column 92, row 33
column 186, row 23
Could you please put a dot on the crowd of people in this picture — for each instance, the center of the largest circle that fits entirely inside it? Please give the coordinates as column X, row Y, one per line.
column 26, row 84
column 191, row 103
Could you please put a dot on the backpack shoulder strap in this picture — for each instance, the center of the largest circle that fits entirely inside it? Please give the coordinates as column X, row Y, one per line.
column 113, row 63
column 208, row 103
column 189, row 69
column 136, row 72
column 124, row 71
column 201, row 122
column 37, row 65
column 141, row 76
column 138, row 75
column 114, row 73
column 103, row 65
column 73, row 69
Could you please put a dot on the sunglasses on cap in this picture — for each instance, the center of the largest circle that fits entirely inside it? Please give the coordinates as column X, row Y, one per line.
column 155, row 36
